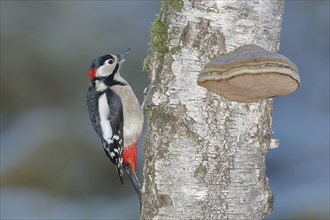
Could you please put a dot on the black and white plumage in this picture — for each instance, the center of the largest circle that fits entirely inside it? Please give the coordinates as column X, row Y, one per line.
column 107, row 124
column 115, row 113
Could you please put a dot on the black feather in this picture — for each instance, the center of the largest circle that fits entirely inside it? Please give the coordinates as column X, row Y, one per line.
column 133, row 178
column 115, row 119
column 97, row 62
column 93, row 108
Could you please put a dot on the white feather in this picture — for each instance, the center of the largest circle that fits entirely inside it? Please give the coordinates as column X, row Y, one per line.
column 100, row 86
column 104, row 111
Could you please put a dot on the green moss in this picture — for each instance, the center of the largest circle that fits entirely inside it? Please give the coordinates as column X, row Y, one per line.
column 175, row 49
column 175, row 4
column 160, row 35
column 146, row 63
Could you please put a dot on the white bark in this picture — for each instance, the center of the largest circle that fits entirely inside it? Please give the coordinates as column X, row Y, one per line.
column 204, row 155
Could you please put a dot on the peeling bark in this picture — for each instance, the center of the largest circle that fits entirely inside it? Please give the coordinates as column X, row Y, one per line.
column 205, row 155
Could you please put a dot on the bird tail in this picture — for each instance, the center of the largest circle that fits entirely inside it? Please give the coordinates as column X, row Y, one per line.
column 135, row 181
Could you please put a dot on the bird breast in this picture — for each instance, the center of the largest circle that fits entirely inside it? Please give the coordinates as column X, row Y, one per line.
column 133, row 114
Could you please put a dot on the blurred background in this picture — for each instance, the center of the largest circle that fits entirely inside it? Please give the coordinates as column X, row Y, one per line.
column 52, row 163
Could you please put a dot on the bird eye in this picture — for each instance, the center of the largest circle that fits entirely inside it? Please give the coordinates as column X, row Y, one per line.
column 110, row 61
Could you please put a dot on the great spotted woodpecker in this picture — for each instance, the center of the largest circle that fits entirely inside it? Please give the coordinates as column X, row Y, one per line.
column 116, row 114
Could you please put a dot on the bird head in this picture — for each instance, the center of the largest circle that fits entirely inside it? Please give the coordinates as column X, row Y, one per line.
column 107, row 65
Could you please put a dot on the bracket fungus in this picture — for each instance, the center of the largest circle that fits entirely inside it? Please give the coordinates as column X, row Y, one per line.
column 249, row 74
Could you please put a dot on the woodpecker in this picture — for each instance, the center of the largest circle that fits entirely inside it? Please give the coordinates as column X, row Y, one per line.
column 115, row 114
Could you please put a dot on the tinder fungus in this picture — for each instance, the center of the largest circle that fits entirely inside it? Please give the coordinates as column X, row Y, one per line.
column 249, row 74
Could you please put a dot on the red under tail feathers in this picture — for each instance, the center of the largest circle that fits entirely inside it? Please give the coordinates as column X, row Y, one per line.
column 130, row 156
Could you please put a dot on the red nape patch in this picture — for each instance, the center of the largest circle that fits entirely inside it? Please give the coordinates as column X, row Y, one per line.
column 130, row 156
column 92, row 73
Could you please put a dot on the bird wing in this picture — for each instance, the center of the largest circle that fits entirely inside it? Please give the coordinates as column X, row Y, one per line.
column 106, row 114
column 92, row 104
column 114, row 147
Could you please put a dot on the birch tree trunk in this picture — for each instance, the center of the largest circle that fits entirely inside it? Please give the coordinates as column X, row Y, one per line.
column 205, row 155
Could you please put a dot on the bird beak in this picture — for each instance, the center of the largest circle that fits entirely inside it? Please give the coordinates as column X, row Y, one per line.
column 122, row 55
